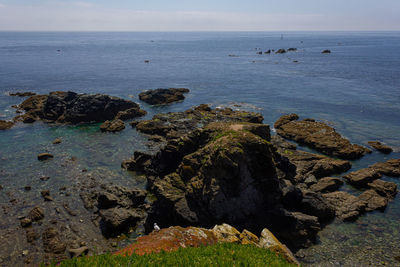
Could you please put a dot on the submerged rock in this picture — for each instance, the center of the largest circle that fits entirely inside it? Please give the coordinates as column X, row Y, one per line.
column 380, row 147
column 318, row 135
column 163, row 96
column 70, row 107
column 36, row 214
column 112, row 126
column 5, row 125
column 57, row 141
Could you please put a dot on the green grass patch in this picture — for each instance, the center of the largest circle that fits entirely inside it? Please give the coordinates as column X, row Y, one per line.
column 225, row 254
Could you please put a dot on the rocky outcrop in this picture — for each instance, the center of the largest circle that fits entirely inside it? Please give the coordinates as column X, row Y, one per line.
column 281, row 51
column 163, row 96
column 70, row 107
column 327, row 51
column 112, row 126
column 175, row 124
column 363, row 177
column 223, row 172
column 5, row 125
column 319, row 136
column 380, row 147
column 173, row 238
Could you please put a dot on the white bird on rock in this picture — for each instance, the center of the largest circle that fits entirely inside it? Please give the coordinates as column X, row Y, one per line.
column 156, row 227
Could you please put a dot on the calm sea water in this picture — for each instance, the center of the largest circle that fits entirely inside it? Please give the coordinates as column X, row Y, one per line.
column 356, row 88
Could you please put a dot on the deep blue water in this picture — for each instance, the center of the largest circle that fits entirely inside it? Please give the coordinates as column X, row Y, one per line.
column 356, row 88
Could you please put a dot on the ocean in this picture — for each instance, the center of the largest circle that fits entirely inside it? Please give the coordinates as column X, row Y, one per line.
column 356, row 89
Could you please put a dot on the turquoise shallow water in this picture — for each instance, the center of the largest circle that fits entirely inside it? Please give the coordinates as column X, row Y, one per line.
column 356, row 89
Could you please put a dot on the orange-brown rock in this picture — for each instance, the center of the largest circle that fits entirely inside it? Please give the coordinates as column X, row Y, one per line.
column 173, row 238
column 170, row 239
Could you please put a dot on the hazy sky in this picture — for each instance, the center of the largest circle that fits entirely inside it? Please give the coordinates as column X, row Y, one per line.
column 198, row 15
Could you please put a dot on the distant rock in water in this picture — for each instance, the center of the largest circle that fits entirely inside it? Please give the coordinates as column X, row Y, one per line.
column 4, row 125
column 292, row 49
column 44, row 156
column 267, row 52
column 327, row 51
column 380, row 147
column 318, row 135
column 21, row 94
column 72, row 108
column 163, row 96
column 281, row 51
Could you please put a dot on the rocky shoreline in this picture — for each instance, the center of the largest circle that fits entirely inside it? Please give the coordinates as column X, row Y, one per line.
column 208, row 167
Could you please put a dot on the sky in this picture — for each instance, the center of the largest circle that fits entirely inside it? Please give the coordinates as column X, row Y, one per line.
column 199, row 15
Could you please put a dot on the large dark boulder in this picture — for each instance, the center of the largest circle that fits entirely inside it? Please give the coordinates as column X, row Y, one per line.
column 163, row 96
column 70, row 107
